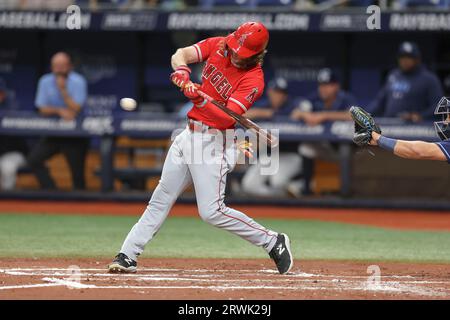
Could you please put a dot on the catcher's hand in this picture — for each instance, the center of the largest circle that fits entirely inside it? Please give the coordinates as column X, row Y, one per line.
column 364, row 126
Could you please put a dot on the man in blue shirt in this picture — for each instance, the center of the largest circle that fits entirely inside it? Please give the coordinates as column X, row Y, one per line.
column 12, row 149
column 61, row 93
column 411, row 91
column 328, row 103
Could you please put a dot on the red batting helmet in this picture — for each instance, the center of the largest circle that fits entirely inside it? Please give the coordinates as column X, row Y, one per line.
column 249, row 39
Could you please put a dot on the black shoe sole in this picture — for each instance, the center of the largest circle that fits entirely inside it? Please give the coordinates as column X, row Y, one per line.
column 117, row 268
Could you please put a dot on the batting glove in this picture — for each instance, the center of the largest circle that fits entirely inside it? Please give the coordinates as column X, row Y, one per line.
column 190, row 92
column 181, row 76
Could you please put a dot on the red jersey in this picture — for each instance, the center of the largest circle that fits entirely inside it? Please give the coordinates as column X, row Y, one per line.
column 237, row 88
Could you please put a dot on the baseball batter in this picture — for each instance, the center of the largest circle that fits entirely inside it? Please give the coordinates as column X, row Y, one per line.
column 233, row 75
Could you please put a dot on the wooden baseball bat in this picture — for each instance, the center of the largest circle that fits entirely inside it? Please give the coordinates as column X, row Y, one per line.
column 270, row 140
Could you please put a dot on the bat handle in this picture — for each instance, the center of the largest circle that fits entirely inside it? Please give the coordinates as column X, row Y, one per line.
column 200, row 93
column 204, row 95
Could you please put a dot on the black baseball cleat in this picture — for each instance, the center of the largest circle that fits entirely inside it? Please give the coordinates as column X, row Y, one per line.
column 122, row 264
column 281, row 254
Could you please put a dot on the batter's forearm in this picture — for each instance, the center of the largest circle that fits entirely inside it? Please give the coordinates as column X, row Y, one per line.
column 183, row 57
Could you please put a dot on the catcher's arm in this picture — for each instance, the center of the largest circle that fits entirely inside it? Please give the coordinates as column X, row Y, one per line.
column 368, row 133
column 418, row 150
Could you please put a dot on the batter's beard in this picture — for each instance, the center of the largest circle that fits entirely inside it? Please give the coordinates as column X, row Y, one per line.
column 250, row 62
column 239, row 66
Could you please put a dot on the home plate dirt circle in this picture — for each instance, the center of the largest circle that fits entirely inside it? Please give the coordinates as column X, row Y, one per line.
column 221, row 279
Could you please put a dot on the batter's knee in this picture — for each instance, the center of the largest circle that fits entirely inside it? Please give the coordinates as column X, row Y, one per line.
column 210, row 214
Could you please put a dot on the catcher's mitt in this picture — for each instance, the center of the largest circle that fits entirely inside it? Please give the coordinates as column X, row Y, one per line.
column 364, row 125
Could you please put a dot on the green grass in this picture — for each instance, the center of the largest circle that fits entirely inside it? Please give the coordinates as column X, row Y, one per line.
column 99, row 236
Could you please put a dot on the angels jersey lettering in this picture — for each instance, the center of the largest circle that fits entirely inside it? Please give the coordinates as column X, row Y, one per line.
column 237, row 88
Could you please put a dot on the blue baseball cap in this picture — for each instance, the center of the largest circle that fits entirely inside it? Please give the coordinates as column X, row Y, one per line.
column 279, row 84
column 326, row 75
column 409, row 49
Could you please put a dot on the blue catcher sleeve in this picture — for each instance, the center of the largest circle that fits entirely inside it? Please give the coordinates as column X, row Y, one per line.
column 445, row 147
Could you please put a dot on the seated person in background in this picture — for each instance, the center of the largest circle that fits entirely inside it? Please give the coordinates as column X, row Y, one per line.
column 278, row 102
column 253, row 182
column 411, row 91
column 12, row 149
column 328, row 103
column 61, row 93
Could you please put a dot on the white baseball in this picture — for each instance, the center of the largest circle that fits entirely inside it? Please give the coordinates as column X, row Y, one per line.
column 128, row 104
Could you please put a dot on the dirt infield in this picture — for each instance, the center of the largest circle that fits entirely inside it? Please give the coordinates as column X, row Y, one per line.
column 393, row 219
column 219, row 279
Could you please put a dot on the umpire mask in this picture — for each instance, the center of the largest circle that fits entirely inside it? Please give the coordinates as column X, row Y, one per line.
column 443, row 110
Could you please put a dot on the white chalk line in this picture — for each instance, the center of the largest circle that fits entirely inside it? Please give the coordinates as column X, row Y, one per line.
column 29, row 286
column 18, row 271
column 75, row 285
column 53, row 282
column 202, row 278
column 176, row 277
column 259, row 272
column 213, row 287
column 39, row 271
column 348, row 285
column 70, row 284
